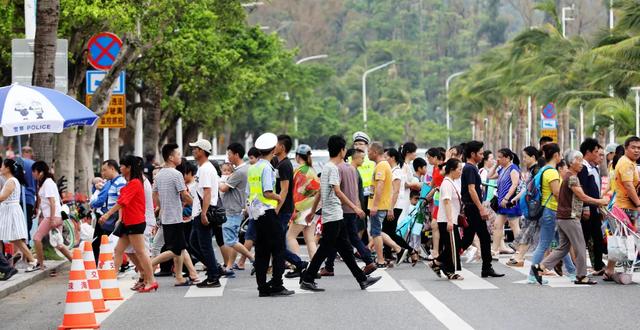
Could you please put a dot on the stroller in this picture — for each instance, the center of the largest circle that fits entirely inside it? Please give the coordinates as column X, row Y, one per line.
column 622, row 242
column 411, row 226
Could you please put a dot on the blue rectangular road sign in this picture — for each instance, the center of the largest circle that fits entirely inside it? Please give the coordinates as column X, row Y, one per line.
column 94, row 78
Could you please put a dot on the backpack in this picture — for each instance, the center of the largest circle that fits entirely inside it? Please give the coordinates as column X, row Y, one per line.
column 531, row 201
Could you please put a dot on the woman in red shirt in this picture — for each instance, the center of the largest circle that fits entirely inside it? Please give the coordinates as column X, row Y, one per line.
column 130, row 228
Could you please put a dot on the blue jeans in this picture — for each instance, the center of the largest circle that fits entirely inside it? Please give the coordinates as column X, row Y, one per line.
column 202, row 243
column 231, row 229
column 289, row 256
column 352, row 232
column 376, row 223
column 250, row 234
column 548, row 234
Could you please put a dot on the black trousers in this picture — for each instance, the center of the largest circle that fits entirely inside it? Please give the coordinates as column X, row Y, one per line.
column 477, row 226
column 447, row 252
column 97, row 240
column 334, row 237
column 592, row 231
column 269, row 245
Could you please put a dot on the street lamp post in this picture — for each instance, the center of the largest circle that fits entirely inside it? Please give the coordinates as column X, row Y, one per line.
column 446, row 90
column 364, row 89
column 637, row 90
column 295, row 106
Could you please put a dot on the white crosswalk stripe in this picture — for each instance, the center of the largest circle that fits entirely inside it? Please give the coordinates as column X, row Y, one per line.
column 195, row 292
column 554, row 281
column 436, row 307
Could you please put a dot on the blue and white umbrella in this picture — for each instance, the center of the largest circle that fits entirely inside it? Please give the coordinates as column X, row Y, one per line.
column 29, row 110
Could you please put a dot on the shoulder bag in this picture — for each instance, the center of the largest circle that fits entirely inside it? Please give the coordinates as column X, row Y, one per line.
column 462, row 218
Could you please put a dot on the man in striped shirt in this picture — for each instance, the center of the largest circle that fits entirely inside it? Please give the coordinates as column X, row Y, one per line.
column 107, row 199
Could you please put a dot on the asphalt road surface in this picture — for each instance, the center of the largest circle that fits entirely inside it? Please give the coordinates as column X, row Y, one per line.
column 407, row 298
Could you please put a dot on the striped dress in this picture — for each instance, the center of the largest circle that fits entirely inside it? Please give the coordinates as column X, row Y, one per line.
column 13, row 225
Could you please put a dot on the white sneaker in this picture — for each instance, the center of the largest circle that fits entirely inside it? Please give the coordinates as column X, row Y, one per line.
column 471, row 253
column 33, row 267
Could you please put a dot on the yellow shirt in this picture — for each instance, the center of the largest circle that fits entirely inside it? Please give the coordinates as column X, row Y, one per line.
column 549, row 176
column 625, row 172
column 382, row 172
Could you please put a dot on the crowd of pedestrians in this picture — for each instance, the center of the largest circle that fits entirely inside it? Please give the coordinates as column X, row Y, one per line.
column 383, row 206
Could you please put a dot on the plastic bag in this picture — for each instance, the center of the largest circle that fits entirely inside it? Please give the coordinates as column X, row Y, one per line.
column 86, row 232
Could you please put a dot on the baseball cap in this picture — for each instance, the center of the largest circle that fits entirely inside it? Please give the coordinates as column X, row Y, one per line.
column 266, row 141
column 361, row 136
column 202, row 144
column 610, row 148
column 303, row 149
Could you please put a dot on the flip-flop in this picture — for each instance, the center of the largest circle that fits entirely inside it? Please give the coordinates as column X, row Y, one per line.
column 607, row 278
column 585, row 281
column 236, row 267
column 187, row 282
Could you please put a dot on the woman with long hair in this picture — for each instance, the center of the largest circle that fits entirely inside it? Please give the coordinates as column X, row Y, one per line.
column 508, row 211
column 448, row 260
column 50, row 207
column 13, row 227
column 306, row 186
column 529, row 231
column 131, row 227
column 435, row 158
column 390, row 224
column 550, row 191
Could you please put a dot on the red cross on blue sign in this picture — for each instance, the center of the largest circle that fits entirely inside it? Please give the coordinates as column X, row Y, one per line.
column 103, row 50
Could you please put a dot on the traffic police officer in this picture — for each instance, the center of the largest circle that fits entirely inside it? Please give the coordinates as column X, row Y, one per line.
column 269, row 233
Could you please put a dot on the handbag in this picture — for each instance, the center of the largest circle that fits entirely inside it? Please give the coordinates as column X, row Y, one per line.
column 462, row 218
column 216, row 214
column 494, row 204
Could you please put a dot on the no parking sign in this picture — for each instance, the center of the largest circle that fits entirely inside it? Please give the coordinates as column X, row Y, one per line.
column 103, row 49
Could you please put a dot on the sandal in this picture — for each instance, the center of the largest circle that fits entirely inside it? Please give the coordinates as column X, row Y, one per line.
column 414, row 258
column 585, row 280
column 138, row 285
column 558, row 268
column 607, row 278
column 454, row 277
column 435, row 267
column 537, row 270
column 600, row 272
column 515, row 263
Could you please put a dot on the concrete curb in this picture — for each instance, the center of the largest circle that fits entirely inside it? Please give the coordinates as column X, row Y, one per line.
column 13, row 286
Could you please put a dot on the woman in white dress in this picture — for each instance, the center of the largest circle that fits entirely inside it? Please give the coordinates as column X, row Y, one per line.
column 13, row 225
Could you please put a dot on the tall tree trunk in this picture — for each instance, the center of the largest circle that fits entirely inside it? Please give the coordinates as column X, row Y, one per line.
column 84, row 157
column 44, row 54
column 66, row 157
column 152, row 114
column 114, row 144
column 534, row 121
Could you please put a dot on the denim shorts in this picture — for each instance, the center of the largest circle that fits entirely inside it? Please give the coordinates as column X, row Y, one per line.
column 376, row 223
column 231, row 229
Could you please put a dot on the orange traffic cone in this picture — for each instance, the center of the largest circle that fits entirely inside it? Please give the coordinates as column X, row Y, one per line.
column 107, row 271
column 78, row 310
column 93, row 279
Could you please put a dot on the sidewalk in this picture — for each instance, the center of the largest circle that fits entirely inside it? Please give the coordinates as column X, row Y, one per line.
column 22, row 279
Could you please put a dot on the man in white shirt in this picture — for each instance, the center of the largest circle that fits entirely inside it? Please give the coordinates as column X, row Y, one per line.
column 207, row 179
